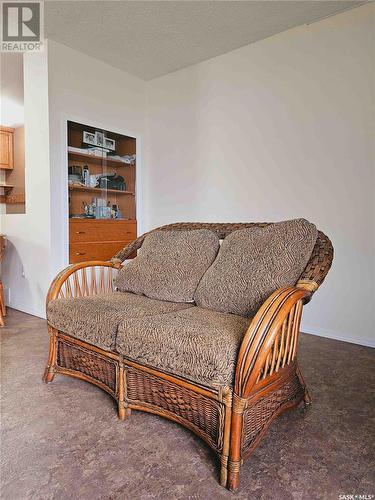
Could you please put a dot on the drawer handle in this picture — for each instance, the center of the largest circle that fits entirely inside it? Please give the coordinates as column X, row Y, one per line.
column 80, row 253
column 80, row 232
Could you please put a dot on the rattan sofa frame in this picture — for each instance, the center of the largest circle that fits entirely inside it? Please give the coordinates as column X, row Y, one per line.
column 231, row 420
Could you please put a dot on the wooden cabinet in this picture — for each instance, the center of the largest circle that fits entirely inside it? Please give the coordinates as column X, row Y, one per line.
column 101, row 190
column 6, row 148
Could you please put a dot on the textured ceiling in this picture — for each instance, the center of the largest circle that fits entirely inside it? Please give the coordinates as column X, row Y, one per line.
column 152, row 38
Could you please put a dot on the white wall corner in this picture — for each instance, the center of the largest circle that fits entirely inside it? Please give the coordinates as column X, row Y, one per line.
column 344, row 337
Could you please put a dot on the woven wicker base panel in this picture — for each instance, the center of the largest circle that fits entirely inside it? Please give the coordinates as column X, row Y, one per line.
column 262, row 411
column 199, row 413
column 82, row 362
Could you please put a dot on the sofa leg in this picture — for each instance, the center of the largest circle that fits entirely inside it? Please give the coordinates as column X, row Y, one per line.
column 227, row 400
column 307, row 398
column 224, row 471
column 123, row 411
column 233, row 475
column 306, row 395
column 234, row 464
column 49, row 372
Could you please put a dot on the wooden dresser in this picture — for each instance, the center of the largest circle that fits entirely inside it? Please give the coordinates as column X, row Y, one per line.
column 98, row 239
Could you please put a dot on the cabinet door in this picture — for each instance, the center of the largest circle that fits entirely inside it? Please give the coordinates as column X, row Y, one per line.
column 6, row 149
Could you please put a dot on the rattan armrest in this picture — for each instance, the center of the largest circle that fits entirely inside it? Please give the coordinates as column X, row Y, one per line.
column 82, row 279
column 271, row 340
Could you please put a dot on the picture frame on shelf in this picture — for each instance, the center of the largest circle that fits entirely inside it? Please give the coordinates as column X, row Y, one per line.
column 89, row 138
column 99, row 139
column 109, row 144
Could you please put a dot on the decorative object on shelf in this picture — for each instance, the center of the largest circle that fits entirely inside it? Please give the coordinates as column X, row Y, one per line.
column 89, row 210
column 93, row 181
column 114, row 212
column 75, row 170
column 89, row 138
column 86, row 176
column 129, row 159
column 116, row 182
column 101, row 208
column 103, row 182
column 109, row 144
column 79, row 175
column 99, row 138
column 98, row 151
column 111, row 181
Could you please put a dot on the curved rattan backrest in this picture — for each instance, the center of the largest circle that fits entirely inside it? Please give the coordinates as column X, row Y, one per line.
column 311, row 278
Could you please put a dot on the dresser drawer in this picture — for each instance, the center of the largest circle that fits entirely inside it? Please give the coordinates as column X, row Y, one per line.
column 82, row 230
column 81, row 252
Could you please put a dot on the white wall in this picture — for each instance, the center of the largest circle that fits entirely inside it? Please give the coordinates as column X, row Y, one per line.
column 11, row 89
column 26, row 271
column 279, row 129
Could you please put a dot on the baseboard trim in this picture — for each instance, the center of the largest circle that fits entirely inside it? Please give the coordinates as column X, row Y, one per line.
column 368, row 342
column 27, row 310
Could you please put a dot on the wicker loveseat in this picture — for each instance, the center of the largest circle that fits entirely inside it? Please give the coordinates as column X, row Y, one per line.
column 182, row 343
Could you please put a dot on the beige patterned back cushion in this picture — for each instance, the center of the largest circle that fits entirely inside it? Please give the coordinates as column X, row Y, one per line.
column 252, row 263
column 170, row 264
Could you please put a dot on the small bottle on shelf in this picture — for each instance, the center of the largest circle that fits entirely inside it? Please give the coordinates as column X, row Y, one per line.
column 86, row 176
column 114, row 211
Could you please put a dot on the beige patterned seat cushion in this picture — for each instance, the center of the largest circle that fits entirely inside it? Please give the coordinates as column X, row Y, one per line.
column 252, row 263
column 95, row 319
column 195, row 343
column 170, row 264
